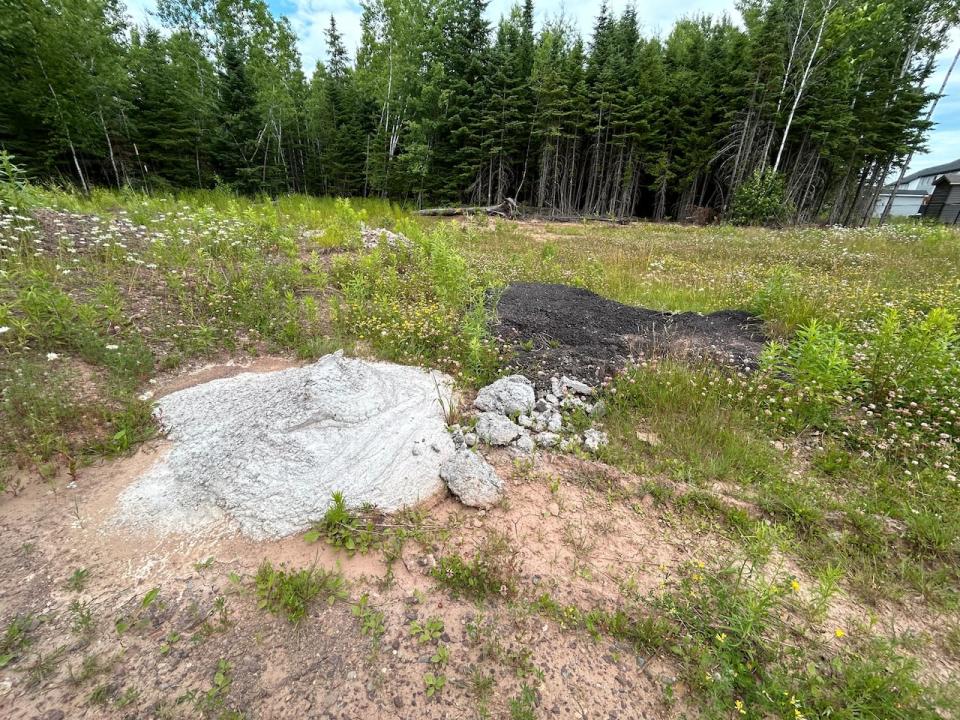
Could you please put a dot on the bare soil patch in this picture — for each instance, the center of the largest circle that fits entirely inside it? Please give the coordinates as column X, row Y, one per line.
column 325, row 667
column 559, row 330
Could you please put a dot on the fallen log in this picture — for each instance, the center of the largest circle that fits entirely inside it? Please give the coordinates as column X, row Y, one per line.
column 508, row 208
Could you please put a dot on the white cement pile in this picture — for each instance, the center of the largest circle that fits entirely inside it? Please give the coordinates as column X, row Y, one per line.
column 263, row 452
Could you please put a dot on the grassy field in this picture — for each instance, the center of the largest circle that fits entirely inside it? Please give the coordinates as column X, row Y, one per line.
column 830, row 476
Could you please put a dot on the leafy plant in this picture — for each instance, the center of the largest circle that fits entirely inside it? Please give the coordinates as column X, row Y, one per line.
column 138, row 619
column 434, row 683
column 291, row 593
column 427, row 631
column 213, row 702
column 490, row 573
column 441, row 655
column 16, row 638
column 817, row 362
column 760, row 200
column 78, row 580
column 523, row 706
column 82, row 622
column 371, row 621
column 343, row 528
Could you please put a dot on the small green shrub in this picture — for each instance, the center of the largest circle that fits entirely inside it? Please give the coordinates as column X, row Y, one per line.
column 343, row 528
column 817, row 365
column 16, row 638
column 420, row 304
column 290, row 593
column 782, row 301
column 761, row 200
column 428, row 631
column 737, row 650
column 371, row 620
column 490, row 573
column 15, row 191
column 82, row 622
column 78, row 579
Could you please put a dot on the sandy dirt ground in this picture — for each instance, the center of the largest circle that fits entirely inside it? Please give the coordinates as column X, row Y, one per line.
column 569, row 533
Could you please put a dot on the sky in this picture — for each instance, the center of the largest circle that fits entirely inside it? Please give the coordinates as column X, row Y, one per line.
column 310, row 18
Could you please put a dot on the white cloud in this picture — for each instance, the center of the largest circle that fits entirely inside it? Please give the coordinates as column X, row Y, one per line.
column 310, row 20
column 656, row 18
column 140, row 11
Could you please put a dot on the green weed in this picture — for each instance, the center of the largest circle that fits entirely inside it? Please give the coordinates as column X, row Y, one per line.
column 16, row 638
column 490, row 573
column 434, row 683
column 78, row 580
column 371, row 620
column 428, row 631
column 290, row 593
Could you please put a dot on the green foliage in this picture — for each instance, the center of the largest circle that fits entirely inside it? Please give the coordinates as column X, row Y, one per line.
column 418, row 304
column 645, row 631
column 736, row 649
column 16, row 638
column 212, row 703
column 441, row 655
column 428, row 631
column 489, row 574
column 905, row 357
column 291, row 593
column 437, row 105
column 703, row 434
column 371, row 620
column 781, row 302
column 818, row 365
column 15, row 194
column 523, row 706
column 78, row 580
column 760, row 200
column 434, row 683
column 139, row 619
column 82, row 621
column 342, row 528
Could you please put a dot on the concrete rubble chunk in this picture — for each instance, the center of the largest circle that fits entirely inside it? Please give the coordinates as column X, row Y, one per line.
column 509, row 395
column 472, row 479
column 524, row 444
column 263, row 452
column 547, row 439
column 372, row 237
column 555, row 423
column 576, row 386
column 594, row 439
column 496, row 429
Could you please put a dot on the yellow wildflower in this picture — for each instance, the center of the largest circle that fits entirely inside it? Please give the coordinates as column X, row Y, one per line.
column 721, row 638
column 839, row 632
column 740, row 707
column 795, row 584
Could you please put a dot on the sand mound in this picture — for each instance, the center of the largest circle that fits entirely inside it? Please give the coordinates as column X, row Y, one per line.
column 263, row 452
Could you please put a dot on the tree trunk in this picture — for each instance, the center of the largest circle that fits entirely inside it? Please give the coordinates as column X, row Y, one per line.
column 803, row 83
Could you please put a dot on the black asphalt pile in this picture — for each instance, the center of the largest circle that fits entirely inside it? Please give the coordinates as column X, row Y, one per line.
column 556, row 330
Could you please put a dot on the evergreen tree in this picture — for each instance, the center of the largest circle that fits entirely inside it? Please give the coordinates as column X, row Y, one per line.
column 825, row 97
column 236, row 144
